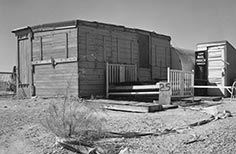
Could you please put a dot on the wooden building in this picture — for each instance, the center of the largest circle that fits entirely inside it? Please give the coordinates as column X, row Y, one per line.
column 215, row 66
column 72, row 55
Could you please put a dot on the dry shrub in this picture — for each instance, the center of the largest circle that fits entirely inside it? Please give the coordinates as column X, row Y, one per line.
column 73, row 117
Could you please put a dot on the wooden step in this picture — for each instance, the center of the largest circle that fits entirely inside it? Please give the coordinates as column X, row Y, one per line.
column 134, row 90
column 191, row 99
column 135, row 87
column 130, row 106
column 134, row 93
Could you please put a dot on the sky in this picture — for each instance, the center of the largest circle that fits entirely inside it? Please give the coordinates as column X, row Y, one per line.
column 188, row 22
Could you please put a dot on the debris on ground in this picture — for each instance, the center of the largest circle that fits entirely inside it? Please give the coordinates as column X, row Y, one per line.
column 195, row 138
column 216, row 116
column 130, row 133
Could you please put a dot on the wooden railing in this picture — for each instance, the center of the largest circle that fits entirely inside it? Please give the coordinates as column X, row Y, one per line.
column 182, row 83
column 119, row 73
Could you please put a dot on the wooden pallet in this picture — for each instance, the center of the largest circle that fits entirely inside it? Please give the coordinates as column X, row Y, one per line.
column 130, row 106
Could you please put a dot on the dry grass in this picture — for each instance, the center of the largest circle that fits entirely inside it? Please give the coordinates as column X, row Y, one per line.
column 77, row 123
column 73, row 117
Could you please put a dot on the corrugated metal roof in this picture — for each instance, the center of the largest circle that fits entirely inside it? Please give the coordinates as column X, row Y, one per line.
column 187, row 58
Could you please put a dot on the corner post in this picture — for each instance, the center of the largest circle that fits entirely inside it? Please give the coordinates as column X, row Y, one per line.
column 107, row 80
column 168, row 74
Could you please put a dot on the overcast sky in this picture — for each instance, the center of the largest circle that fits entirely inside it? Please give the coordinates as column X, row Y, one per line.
column 188, row 22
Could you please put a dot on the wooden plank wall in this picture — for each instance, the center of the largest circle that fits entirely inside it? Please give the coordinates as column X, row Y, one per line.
column 161, row 58
column 24, row 61
column 52, row 80
column 24, row 68
column 144, row 67
column 98, row 46
column 55, row 44
column 230, row 69
column 144, row 74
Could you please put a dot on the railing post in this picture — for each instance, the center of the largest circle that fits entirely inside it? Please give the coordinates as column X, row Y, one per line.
column 168, row 74
column 192, row 84
column 122, row 73
column 107, row 80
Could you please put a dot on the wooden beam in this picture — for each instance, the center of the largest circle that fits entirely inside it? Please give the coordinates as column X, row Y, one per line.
column 117, row 49
column 18, row 67
column 86, row 45
column 156, row 62
column 66, row 46
column 6, row 72
column 41, row 48
column 131, row 106
column 135, row 93
column 107, row 80
column 57, row 60
column 104, row 49
column 136, row 87
column 212, row 87
column 131, row 51
column 30, row 67
column 135, row 108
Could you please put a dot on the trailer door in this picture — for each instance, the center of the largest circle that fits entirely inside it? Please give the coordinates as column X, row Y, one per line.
column 216, row 69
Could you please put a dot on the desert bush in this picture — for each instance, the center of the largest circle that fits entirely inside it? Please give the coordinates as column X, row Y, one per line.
column 73, row 117
column 78, row 125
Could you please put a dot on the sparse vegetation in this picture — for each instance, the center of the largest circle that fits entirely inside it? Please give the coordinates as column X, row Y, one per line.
column 20, row 132
column 77, row 125
column 73, row 117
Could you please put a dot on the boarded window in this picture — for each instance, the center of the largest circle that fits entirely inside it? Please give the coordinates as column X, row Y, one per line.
column 55, row 44
column 143, row 41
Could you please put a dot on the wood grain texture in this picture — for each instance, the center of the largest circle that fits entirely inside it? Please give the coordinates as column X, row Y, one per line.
column 144, row 74
column 56, row 44
column 24, row 68
column 52, row 81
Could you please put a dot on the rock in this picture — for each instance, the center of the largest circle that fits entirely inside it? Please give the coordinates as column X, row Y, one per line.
column 124, row 151
column 211, row 110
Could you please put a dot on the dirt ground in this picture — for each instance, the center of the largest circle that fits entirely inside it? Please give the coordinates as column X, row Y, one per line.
column 22, row 133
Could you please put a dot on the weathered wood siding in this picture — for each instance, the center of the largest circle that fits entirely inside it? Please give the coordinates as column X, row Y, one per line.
column 52, row 80
column 24, row 79
column 24, row 61
column 144, row 49
column 55, row 81
column 230, row 69
column 56, row 44
column 77, row 51
column 98, row 46
column 161, row 57
column 144, row 74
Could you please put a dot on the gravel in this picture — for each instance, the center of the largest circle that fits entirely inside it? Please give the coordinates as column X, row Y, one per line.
column 22, row 132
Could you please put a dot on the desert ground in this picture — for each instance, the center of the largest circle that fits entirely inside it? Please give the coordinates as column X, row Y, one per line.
column 21, row 130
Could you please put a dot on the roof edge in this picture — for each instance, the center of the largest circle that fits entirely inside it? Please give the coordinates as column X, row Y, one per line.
column 213, row 42
column 76, row 23
column 20, row 29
